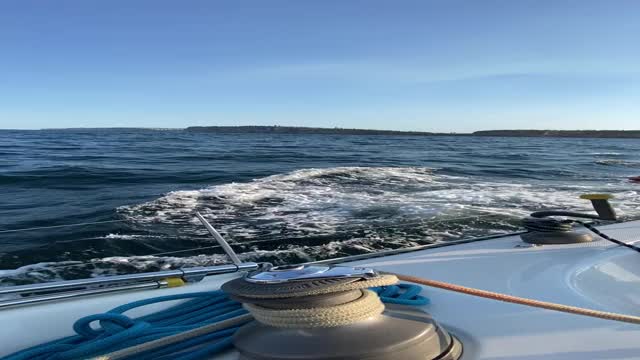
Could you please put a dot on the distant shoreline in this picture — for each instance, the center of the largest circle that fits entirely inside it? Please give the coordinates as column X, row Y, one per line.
column 296, row 130
column 343, row 131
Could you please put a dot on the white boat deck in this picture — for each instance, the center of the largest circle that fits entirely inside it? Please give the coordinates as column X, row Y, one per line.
column 597, row 275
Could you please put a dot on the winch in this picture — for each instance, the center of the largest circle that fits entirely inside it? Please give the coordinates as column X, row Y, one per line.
column 545, row 229
column 327, row 312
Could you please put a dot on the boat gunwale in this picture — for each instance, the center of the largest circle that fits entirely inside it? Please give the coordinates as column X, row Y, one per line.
column 411, row 249
column 58, row 287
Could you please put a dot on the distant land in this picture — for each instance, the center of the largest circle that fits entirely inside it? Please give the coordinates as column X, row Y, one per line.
column 562, row 133
column 275, row 129
column 300, row 130
column 343, row 131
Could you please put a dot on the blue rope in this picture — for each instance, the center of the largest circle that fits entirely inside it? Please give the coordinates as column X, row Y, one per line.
column 403, row 294
column 118, row 331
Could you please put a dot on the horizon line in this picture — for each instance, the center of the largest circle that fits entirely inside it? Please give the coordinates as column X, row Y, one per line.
column 298, row 127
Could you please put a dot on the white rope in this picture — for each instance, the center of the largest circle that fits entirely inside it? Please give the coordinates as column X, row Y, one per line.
column 381, row 280
column 366, row 306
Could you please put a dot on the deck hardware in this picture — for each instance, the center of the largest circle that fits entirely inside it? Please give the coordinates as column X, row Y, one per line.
column 223, row 243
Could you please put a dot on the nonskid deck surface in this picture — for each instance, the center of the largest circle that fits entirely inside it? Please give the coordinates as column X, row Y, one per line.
column 597, row 275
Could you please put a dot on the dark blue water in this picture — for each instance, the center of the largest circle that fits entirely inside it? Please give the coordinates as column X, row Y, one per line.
column 279, row 198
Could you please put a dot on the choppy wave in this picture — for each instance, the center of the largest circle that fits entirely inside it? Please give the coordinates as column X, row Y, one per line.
column 313, row 214
column 618, row 162
column 314, row 201
column 607, row 153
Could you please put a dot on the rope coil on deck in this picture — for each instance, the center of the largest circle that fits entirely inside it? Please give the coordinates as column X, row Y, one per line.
column 118, row 331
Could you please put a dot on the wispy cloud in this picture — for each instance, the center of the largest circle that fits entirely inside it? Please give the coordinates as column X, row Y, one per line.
column 417, row 73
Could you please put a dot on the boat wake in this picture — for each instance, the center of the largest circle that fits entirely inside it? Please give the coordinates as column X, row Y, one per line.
column 314, row 214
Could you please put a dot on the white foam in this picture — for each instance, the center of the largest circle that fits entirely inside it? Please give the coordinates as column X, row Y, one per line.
column 324, row 213
column 321, row 200
column 39, row 272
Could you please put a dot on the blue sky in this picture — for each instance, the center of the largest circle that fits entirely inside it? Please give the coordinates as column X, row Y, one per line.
column 440, row 65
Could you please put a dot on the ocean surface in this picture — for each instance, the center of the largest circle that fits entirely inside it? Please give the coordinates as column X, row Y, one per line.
column 278, row 198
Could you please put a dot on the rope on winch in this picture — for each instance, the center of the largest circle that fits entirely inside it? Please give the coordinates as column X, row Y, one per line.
column 566, row 225
column 368, row 303
column 364, row 307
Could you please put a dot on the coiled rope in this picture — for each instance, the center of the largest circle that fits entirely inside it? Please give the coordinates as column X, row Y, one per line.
column 119, row 331
column 547, row 224
column 194, row 329
column 362, row 303
column 366, row 306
